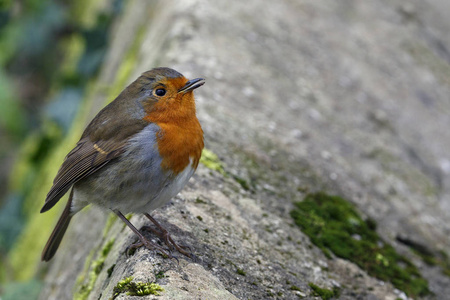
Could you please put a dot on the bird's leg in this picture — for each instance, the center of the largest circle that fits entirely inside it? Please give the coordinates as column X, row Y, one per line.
column 143, row 240
column 165, row 236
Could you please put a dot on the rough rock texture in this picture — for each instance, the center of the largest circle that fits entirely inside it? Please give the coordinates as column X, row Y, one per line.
column 347, row 97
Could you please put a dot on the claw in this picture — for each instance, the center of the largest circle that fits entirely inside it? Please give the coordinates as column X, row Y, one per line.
column 150, row 246
column 163, row 234
column 132, row 247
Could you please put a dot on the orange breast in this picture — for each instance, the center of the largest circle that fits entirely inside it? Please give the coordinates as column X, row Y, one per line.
column 178, row 145
column 181, row 136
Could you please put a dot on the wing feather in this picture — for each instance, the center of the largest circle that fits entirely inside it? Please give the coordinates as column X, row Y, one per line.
column 86, row 158
column 103, row 140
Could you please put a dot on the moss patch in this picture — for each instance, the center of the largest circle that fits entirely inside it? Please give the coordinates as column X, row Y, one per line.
column 244, row 184
column 96, row 267
column 325, row 294
column 333, row 224
column 210, row 160
column 127, row 285
column 241, row 272
column 295, row 288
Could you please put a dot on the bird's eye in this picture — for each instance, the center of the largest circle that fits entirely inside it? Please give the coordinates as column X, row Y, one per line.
column 160, row 92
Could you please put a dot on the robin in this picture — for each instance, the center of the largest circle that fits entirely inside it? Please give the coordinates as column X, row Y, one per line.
column 134, row 156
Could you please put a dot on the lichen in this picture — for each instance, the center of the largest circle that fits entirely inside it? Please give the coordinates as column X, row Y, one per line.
column 127, row 285
column 334, row 225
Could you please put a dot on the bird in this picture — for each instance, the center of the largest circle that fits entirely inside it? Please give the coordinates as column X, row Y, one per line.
column 136, row 154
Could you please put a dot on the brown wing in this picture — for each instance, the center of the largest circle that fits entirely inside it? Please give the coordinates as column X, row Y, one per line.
column 103, row 140
column 86, row 158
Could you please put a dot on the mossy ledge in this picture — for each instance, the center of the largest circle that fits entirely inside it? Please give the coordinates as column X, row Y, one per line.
column 333, row 224
column 127, row 285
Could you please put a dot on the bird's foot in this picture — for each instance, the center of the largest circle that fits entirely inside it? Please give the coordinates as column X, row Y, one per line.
column 143, row 241
column 150, row 246
column 163, row 234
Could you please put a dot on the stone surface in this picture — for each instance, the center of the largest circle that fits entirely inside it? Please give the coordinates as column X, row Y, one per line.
column 347, row 97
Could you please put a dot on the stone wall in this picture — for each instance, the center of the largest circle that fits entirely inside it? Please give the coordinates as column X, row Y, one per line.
column 349, row 98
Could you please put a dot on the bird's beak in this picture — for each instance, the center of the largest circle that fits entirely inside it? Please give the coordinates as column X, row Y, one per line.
column 192, row 85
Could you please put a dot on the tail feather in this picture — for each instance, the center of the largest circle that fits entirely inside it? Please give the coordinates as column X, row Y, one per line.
column 58, row 233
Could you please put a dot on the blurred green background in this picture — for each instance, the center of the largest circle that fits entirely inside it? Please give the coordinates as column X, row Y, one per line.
column 50, row 51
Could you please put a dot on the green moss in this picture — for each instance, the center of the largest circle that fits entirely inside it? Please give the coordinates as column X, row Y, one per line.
column 295, row 288
column 244, row 184
column 333, row 224
column 160, row 275
column 210, row 160
column 325, row 294
column 127, row 285
column 111, row 270
column 241, row 272
column 96, row 267
column 200, row 201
